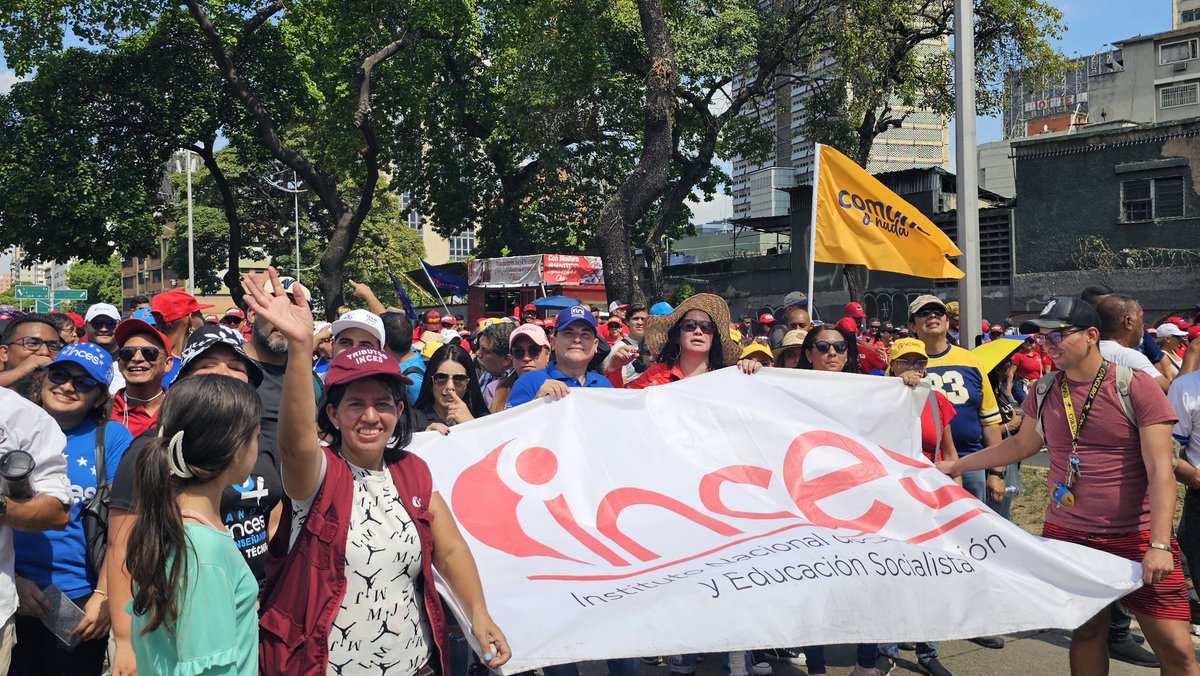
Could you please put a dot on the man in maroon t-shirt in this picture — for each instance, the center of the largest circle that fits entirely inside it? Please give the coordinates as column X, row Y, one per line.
column 1111, row 481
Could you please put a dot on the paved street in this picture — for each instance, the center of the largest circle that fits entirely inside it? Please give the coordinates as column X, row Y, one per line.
column 1035, row 652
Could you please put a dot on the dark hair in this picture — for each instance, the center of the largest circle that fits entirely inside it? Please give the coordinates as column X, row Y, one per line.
column 455, row 353
column 633, row 309
column 217, row 416
column 138, row 300
column 1113, row 310
column 10, row 333
column 499, row 334
column 405, row 421
column 397, row 332
column 62, row 321
column 811, row 339
column 1089, row 294
column 670, row 349
column 101, row 410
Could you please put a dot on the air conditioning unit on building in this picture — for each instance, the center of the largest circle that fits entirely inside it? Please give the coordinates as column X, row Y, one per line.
column 1182, row 65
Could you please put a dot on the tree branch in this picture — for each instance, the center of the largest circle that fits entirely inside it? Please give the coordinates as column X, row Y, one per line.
column 229, row 203
column 261, row 16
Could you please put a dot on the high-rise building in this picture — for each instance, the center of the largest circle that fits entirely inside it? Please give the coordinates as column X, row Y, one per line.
column 438, row 249
column 1184, row 12
column 922, row 140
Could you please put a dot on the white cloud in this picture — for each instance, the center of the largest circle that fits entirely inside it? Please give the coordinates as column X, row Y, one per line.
column 7, row 79
column 720, row 207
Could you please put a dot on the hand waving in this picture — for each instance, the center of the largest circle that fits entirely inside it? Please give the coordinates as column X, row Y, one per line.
column 291, row 316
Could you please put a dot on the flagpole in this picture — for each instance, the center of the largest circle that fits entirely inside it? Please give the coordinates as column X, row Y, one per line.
column 434, row 287
column 812, row 229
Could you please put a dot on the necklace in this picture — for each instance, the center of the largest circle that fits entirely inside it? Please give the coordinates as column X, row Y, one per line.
column 144, row 401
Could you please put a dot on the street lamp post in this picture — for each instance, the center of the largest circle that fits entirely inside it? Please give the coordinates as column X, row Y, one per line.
column 191, row 285
column 294, row 188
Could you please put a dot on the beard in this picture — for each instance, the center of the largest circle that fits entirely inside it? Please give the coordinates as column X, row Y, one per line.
column 265, row 341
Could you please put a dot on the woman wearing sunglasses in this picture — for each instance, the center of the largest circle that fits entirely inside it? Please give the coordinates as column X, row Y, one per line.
column 73, row 389
column 690, row 340
column 450, row 394
column 530, row 351
column 829, row 348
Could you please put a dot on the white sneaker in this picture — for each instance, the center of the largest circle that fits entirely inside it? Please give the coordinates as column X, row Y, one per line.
column 762, row 669
column 1196, row 630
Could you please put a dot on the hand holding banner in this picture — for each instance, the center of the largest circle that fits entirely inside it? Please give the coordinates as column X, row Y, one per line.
column 742, row 512
column 859, row 221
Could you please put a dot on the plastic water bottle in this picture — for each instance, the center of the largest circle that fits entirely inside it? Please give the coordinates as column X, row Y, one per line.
column 1012, row 490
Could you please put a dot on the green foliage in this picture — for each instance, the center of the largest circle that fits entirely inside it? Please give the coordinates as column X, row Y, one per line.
column 102, row 280
column 680, row 293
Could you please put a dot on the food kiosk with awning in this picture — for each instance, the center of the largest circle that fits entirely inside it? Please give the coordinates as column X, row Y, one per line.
column 498, row 285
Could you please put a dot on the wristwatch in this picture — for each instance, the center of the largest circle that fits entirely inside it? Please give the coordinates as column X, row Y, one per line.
column 994, row 472
column 1159, row 545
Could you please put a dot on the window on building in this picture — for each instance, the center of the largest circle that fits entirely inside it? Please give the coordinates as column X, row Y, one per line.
column 156, row 275
column 127, row 283
column 462, row 245
column 1146, row 199
column 1179, row 95
column 412, row 216
column 1175, row 52
column 1187, row 16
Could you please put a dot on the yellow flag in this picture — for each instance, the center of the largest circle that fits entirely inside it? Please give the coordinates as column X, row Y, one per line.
column 859, row 221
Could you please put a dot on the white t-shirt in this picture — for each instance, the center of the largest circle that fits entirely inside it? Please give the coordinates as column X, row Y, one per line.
column 381, row 623
column 26, row 427
column 1185, row 398
column 1119, row 354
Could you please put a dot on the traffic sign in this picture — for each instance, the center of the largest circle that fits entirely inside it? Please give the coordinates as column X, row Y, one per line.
column 43, row 306
column 69, row 294
column 32, row 292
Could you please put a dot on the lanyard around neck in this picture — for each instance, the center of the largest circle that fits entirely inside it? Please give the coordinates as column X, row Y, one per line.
column 1075, row 425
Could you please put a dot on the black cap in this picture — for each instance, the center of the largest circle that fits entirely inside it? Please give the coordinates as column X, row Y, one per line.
column 1063, row 312
column 210, row 335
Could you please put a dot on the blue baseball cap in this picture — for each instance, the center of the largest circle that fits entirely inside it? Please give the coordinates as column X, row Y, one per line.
column 93, row 359
column 661, row 308
column 145, row 315
column 576, row 313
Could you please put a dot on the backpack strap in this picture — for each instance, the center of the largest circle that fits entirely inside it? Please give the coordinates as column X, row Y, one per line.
column 101, row 470
column 1041, row 390
column 1124, row 376
column 414, row 369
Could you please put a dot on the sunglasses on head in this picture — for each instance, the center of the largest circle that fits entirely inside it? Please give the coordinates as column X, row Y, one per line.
column 149, row 353
column 706, row 327
column 533, row 351
column 1054, row 337
column 930, row 312
column 33, row 344
column 824, row 346
column 82, row 384
column 442, row 378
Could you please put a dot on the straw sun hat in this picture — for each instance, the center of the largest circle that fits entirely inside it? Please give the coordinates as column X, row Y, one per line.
column 712, row 305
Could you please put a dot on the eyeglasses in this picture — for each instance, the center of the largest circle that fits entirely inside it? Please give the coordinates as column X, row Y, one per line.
column 82, row 384
column 909, row 365
column 33, row 344
column 149, row 353
column 706, row 327
column 103, row 323
column 533, row 351
column 231, row 321
column 930, row 312
column 823, row 346
column 441, row 379
column 1054, row 337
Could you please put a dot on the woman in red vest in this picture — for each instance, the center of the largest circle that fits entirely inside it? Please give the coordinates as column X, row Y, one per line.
column 350, row 569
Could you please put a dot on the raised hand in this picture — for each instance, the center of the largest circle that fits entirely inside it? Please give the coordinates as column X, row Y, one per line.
column 458, row 412
column 291, row 316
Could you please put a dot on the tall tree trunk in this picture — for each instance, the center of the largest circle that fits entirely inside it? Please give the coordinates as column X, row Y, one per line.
column 233, row 277
column 646, row 182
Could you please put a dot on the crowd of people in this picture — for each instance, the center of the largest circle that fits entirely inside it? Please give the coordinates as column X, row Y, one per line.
column 231, row 494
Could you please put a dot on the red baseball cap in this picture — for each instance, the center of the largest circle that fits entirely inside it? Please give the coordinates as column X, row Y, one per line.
column 363, row 362
column 235, row 312
column 75, row 317
column 529, row 307
column 766, row 318
column 449, row 319
column 136, row 327
column 432, row 316
column 176, row 303
column 847, row 324
column 1193, row 332
column 854, row 310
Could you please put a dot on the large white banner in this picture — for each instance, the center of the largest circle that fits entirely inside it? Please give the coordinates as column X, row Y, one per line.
column 732, row 512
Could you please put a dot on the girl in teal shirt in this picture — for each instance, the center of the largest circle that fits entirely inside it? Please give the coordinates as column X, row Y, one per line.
column 194, row 614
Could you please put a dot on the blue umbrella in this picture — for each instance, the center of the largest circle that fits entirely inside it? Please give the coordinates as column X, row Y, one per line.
column 555, row 303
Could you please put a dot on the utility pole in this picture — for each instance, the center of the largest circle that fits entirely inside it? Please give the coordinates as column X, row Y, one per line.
column 970, row 296
column 191, row 285
column 296, row 206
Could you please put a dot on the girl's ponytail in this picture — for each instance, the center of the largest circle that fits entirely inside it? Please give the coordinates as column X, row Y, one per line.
column 159, row 530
